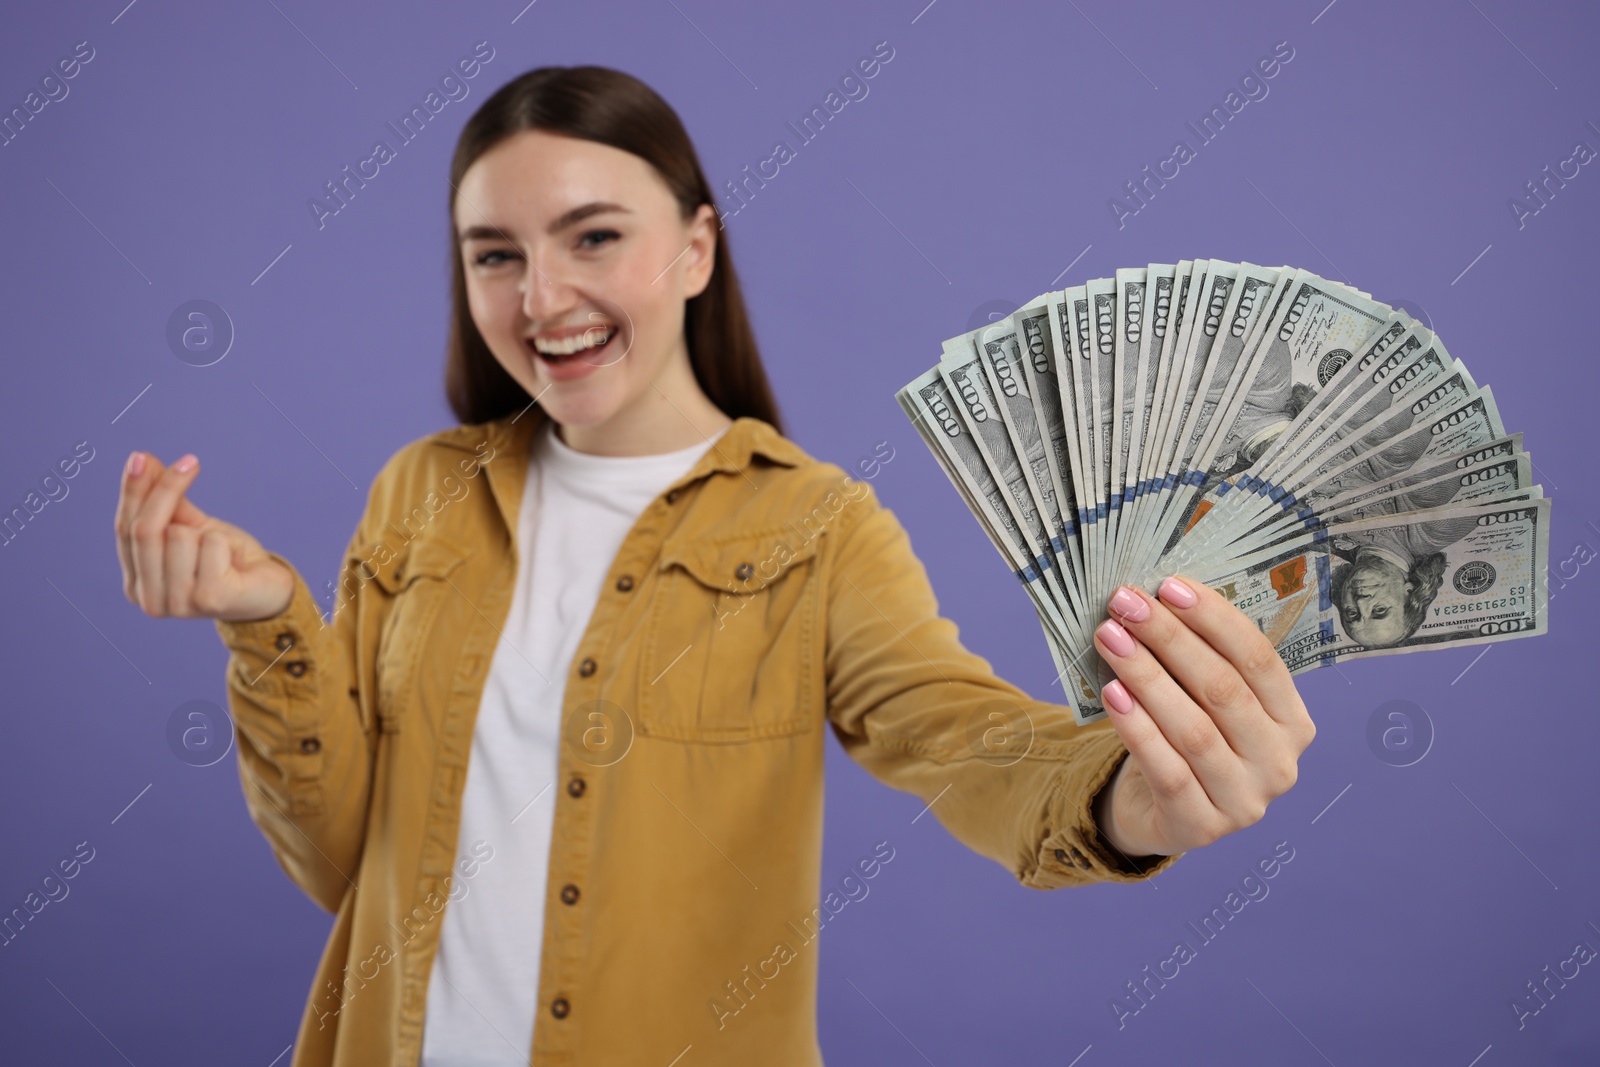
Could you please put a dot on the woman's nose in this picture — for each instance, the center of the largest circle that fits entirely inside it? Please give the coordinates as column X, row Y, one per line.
column 544, row 298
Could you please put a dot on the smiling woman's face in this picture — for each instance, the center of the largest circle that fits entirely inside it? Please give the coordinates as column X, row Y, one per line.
column 577, row 268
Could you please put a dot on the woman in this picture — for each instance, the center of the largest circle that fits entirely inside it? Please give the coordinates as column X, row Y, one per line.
column 633, row 603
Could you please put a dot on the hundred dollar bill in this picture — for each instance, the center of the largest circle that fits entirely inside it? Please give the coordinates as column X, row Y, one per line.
column 1168, row 288
column 1131, row 283
column 1102, row 340
column 999, row 349
column 976, row 406
column 926, row 401
column 1485, row 475
column 934, row 412
column 1316, row 327
column 1450, row 431
column 1082, row 698
column 1348, row 392
column 1391, row 385
column 1393, row 347
column 1042, row 368
column 1201, row 335
column 1202, row 322
column 1253, row 298
column 1394, row 341
column 1070, row 370
column 961, row 366
column 1480, row 462
column 1393, row 394
column 1383, row 426
column 1130, row 322
column 1188, row 284
column 1459, row 576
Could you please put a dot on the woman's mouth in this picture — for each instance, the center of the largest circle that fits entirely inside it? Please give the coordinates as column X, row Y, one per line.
column 590, row 346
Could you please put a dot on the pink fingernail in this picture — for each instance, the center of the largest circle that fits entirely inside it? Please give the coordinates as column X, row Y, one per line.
column 186, row 464
column 1117, row 696
column 136, row 464
column 1130, row 605
column 1177, row 594
column 1114, row 637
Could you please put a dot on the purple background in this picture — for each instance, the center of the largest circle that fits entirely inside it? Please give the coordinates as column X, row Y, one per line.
column 1420, row 899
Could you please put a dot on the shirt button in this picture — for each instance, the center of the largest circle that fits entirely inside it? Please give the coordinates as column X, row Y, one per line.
column 744, row 572
column 575, row 787
column 310, row 744
column 672, row 497
column 586, row 668
column 295, row 668
column 624, row 583
column 569, row 894
column 285, row 642
column 559, row 1007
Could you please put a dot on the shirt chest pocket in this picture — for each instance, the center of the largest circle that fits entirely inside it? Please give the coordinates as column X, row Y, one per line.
column 418, row 586
column 731, row 648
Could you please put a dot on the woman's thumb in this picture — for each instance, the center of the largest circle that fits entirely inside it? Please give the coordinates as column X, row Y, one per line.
column 188, row 513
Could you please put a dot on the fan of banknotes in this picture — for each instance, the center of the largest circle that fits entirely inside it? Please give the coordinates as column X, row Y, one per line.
column 1312, row 453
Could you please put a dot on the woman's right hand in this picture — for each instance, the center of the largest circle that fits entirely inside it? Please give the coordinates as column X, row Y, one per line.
column 178, row 561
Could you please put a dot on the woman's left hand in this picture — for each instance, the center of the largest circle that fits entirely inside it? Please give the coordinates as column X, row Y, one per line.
column 1209, row 713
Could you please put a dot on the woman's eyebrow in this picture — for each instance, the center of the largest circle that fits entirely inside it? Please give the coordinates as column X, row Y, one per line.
column 487, row 233
column 578, row 214
column 570, row 218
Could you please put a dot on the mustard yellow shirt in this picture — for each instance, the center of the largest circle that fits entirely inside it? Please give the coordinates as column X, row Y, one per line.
column 760, row 596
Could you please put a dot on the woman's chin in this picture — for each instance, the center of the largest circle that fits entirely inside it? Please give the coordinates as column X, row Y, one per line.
column 578, row 411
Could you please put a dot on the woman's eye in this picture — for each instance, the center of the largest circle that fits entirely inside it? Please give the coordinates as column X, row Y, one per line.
column 487, row 259
column 596, row 238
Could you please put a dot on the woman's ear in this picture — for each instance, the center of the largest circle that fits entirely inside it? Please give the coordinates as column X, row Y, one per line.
column 701, row 256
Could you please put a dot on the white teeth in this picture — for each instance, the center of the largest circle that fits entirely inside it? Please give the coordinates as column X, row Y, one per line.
column 593, row 337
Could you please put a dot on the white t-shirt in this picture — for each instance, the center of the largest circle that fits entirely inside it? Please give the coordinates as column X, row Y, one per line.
column 577, row 508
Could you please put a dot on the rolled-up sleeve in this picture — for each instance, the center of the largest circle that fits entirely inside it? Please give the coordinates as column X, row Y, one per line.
column 1012, row 778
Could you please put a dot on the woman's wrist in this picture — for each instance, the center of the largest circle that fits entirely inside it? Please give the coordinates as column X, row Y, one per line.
column 1105, row 810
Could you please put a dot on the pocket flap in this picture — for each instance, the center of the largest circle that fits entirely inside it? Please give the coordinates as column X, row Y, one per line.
column 428, row 557
column 743, row 563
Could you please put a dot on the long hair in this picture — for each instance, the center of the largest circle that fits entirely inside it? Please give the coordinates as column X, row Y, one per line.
column 616, row 109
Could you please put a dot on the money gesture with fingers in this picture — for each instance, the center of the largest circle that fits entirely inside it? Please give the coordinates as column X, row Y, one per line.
column 178, row 561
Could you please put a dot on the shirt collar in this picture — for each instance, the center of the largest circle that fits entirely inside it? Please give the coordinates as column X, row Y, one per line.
column 747, row 438
column 733, row 451
column 511, row 439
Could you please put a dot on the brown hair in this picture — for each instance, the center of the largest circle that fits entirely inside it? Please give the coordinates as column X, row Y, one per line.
column 612, row 108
